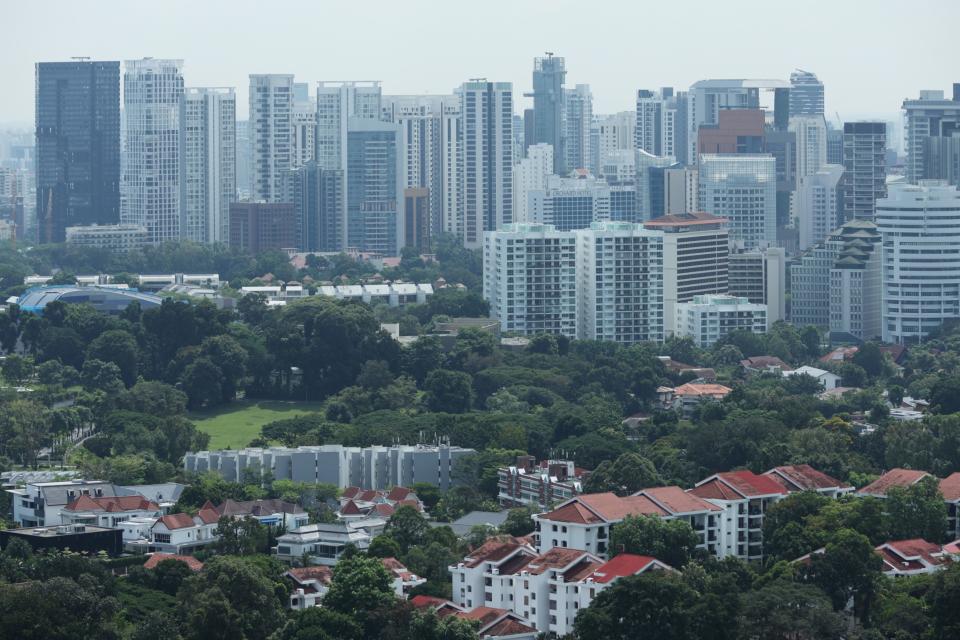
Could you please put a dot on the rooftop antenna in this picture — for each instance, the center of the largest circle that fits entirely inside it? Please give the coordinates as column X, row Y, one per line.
column 549, row 54
column 79, row 57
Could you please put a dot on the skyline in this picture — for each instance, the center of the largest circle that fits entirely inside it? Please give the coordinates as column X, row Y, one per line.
column 215, row 44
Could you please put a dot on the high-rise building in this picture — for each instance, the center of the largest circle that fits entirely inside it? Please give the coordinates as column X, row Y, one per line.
column 549, row 74
column 708, row 318
column 271, row 134
column 570, row 203
column 741, row 188
column 77, row 146
column 656, row 124
column 941, row 158
column 620, row 288
column 152, row 92
column 931, row 116
column 819, row 205
column 429, row 140
column 487, row 158
column 834, row 145
column 681, row 186
column 337, row 102
column 760, row 277
column 865, row 167
column 806, row 94
column 611, row 134
column 208, row 164
column 318, row 199
column 578, row 118
column 811, row 133
column 696, row 258
column 416, row 218
column 374, row 191
column 261, row 226
column 650, row 183
column 735, row 131
column 303, row 124
column 244, row 160
column 920, row 230
column 529, row 279
column 620, row 172
column 855, row 291
column 529, row 175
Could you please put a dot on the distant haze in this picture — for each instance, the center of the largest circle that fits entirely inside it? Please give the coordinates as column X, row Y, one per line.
column 870, row 55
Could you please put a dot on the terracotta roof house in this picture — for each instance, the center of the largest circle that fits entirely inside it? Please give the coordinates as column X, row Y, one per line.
column 912, row 557
column 268, row 512
column 108, row 511
column 803, row 477
column 893, row 478
column 765, row 364
column 156, row 558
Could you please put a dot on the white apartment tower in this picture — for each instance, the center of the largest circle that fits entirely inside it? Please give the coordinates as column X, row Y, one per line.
column 530, row 174
column 611, row 134
column 696, row 258
column 304, row 127
column 743, row 189
column 487, row 134
column 529, row 279
column 208, row 164
column 271, row 134
column 920, row 232
column 620, row 294
column 656, row 124
column 336, row 103
column 819, row 204
column 706, row 319
column 811, row 133
column 570, row 203
column 578, row 118
column 150, row 184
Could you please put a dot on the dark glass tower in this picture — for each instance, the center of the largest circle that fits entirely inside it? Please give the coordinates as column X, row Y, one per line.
column 78, row 145
column 549, row 74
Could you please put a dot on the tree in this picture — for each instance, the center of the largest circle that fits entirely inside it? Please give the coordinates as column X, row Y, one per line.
column 945, row 395
column 360, row 585
column 120, row 348
column 383, row 546
column 448, row 391
column 58, row 608
column 629, row 473
column 154, row 398
column 943, row 599
column 319, row 623
column 870, row 358
column 24, row 430
column 917, row 511
column 519, row 522
column 848, row 568
column 375, row 375
column 784, row 532
column 201, row 381
column 420, row 358
column 785, row 609
column 651, row 605
column 670, row 541
column 407, row 526
column 102, row 376
column 241, row 536
column 229, row 357
column 17, row 369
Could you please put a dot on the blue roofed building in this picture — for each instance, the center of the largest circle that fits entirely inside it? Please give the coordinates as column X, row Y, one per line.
column 106, row 299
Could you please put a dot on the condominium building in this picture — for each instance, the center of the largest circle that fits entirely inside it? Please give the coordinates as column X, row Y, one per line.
column 150, row 188
column 121, row 238
column 709, row 318
column 303, row 124
column 650, row 183
column 368, row 467
column 864, row 161
column 819, row 205
column 374, row 187
column 920, row 231
column 260, row 226
column 208, row 147
column 760, row 277
column 696, row 257
column 529, row 175
column 570, row 203
column 271, row 134
column 620, row 172
column 834, row 145
column 656, row 125
column 806, row 94
column 611, row 134
column 487, row 157
column 741, row 188
column 932, row 115
column 811, row 144
column 578, row 118
column 538, row 485
column 529, row 279
column 855, row 291
column 549, row 74
column 735, row 131
column 681, row 186
column 620, row 272
column 416, row 218
column 77, row 146
column 337, row 102
column 318, row 199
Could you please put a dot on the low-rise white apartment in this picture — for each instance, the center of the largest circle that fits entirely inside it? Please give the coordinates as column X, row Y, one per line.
column 709, row 318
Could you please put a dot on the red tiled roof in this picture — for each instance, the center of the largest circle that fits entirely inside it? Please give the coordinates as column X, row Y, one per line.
column 509, row 626
column 737, row 485
column 399, row 493
column 350, row 508
column 556, row 558
column 485, row 615
column 515, row 564
column 912, row 555
column 700, row 390
column 208, row 514
column 384, row 509
column 839, row 354
column 952, row 548
column 591, row 508
column 157, row 558
column 408, row 502
column 625, row 564
column 301, row 575
column 893, row 478
column 581, row 570
column 803, row 477
column 367, row 496
column 422, row 602
column 764, row 362
column 950, row 487
column 573, row 512
column 177, row 521
column 675, row 500
column 112, row 504
column 491, row 551
column 351, row 492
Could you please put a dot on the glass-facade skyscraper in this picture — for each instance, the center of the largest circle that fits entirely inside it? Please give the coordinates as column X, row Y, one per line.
column 549, row 74
column 806, row 94
column 78, row 145
column 374, row 189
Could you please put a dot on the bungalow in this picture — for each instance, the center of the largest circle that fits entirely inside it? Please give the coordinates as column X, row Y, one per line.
column 174, row 533
column 912, row 557
column 357, row 503
column 310, row 584
column 323, row 543
column 764, row 364
column 826, row 379
column 494, row 624
column 688, row 396
column 108, row 511
column 267, row 512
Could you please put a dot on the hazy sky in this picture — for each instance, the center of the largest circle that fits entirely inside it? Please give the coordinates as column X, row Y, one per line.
column 870, row 54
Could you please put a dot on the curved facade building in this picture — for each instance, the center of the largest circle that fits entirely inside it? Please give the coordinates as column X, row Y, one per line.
column 104, row 299
column 920, row 230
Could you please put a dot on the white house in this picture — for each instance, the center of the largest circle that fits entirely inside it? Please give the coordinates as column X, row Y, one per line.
column 177, row 533
column 324, row 543
column 108, row 511
column 826, row 379
column 266, row 512
column 913, row 557
column 312, row 583
column 38, row 504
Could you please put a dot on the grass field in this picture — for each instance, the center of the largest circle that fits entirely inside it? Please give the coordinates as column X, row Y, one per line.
column 235, row 425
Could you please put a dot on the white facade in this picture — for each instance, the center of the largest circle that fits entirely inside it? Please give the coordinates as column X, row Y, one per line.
column 826, row 379
column 487, row 189
column 150, row 181
column 743, row 189
column 325, row 543
column 529, row 278
column 208, row 164
column 620, row 271
column 271, row 134
column 920, row 231
column 811, row 132
column 818, row 204
column 681, row 188
column 530, row 174
column 578, row 118
column 115, row 237
column 708, row 318
column 656, row 124
column 611, row 134
column 304, row 127
column 569, row 203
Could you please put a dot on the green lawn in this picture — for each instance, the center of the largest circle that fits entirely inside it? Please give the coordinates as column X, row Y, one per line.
column 233, row 426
